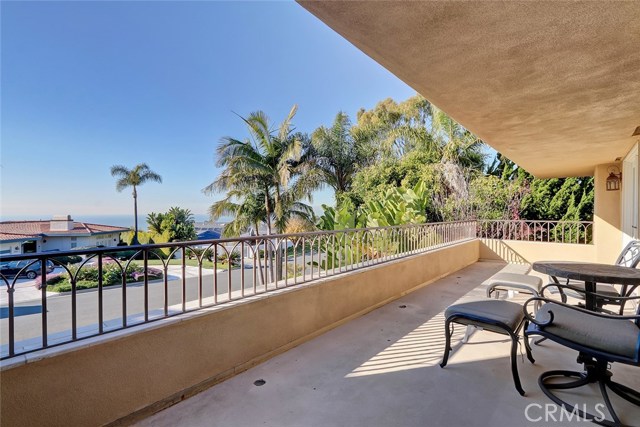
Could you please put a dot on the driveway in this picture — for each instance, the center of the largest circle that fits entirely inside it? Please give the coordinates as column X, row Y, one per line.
column 25, row 290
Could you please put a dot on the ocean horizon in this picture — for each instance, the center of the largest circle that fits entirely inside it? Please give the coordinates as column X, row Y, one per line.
column 121, row 220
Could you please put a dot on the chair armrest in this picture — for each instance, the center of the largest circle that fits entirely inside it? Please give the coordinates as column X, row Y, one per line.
column 548, row 322
column 582, row 291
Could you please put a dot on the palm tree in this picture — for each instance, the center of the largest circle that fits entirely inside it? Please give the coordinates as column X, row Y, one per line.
column 247, row 212
column 338, row 152
column 398, row 128
column 154, row 222
column 461, row 160
column 134, row 178
column 458, row 145
column 269, row 164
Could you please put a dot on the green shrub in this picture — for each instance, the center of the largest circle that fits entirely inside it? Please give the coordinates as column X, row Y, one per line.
column 87, row 277
column 85, row 284
column 86, row 273
column 111, row 276
column 163, row 238
column 121, row 255
column 55, row 280
column 199, row 252
column 144, row 238
column 68, row 259
column 233, row 258
column 193, row 253
column 52, row 280
column 61, row 287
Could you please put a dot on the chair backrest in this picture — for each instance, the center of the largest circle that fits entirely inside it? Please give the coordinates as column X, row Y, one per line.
column 630, row 255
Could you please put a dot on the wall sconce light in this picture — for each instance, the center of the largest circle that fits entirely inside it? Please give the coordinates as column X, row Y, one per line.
column 613, row 180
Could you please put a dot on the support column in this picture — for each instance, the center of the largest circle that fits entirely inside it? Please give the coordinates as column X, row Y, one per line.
column 607, row 224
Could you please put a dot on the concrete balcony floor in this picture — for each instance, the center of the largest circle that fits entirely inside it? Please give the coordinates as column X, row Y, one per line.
column 381, row 369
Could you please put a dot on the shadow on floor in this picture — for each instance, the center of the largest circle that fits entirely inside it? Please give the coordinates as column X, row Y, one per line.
column 20, row 311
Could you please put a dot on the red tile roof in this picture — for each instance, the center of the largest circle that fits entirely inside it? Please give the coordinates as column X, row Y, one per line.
column 11, row 230
column 13, row 236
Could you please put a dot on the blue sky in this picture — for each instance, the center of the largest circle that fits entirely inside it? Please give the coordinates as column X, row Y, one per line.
column 86, row 85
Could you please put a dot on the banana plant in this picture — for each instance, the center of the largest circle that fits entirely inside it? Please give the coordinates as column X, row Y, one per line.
column 399, row 206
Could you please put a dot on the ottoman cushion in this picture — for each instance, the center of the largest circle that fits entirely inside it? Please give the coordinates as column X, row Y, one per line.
column 485, row 313
column 512, row 280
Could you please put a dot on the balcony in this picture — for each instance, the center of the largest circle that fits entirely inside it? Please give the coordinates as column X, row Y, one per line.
column 382, row 370
column 354, row 341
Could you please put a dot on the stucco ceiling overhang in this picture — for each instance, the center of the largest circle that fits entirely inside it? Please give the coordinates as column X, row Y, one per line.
column 553, row 85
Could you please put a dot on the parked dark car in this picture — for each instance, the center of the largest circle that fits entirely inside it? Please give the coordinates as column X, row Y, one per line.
column 12, row 268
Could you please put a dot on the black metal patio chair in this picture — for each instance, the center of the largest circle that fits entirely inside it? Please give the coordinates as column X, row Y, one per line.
column 600, row 339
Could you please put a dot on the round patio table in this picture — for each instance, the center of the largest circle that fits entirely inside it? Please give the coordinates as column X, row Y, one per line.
column 594, row 370
column 590, row 273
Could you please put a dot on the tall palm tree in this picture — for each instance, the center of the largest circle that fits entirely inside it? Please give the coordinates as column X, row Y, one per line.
column 461, row 160
column 270, row 164
column 338, row 152
column 247, row 212
column 398, row 128
column 134, row 178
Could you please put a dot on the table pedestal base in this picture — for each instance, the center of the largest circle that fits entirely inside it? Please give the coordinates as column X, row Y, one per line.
column 595, row 372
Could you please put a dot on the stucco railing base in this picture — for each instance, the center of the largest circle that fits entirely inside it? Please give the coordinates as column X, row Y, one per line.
column 522, row 252
column 121, row 379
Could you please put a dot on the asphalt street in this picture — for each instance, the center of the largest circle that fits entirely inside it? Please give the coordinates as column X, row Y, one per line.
column 28, row 313
column 28, row 303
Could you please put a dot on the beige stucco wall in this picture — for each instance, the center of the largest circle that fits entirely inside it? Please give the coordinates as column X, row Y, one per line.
column 607, row 223
column 102, row 383
column 529, row 252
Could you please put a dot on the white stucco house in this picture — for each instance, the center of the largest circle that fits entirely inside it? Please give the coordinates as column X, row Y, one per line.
column 58, row 234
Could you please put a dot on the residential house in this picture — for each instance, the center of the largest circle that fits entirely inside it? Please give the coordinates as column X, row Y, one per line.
column 61, row 233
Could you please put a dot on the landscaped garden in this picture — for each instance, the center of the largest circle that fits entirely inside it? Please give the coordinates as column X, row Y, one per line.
column 399, row 163
column 87, row 277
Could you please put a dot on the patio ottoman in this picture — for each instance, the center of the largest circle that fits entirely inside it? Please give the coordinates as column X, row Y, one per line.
column 513, row 281
column 520, row 282
column 499, row 316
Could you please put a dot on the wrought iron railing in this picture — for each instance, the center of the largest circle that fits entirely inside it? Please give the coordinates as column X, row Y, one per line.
column 579, row 232
column 115, row 288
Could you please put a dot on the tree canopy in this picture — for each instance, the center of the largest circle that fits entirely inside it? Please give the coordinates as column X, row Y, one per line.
column 400, row 162
column 415, row 142
column 269, row 163
column 177, row 224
